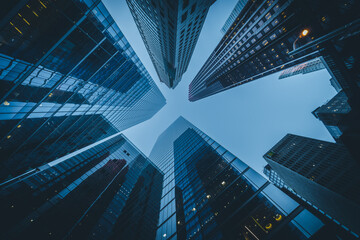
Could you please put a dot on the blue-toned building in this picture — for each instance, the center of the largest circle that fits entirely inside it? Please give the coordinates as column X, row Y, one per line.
column 108, row 190
column 322, row 173
column 208, row 193
column 233, row 15
column 68, row 77
column 170, row 30
column 271, row 36
column 333, row 227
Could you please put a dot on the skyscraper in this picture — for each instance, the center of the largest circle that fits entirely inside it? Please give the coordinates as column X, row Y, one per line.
column 264, row 36
column 170, row 30
column 334, row 114
column 233, row 15
column 323, row 173
column 303, row 68
column 108, row 190
column 68, row 77
column 342, row 121
column 333, row 227
column 208, row 193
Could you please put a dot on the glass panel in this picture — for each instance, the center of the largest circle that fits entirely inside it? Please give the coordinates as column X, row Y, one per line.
column 255, row 178
column 307, row 223
column 280, row 199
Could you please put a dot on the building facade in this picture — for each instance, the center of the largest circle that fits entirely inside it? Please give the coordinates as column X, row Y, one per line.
column 303, row 68
column 264, row 37
column 170, row 30
column 108, row 190
column 323, row 173
column 68, row 77
column 334, row 114
column 233, row 15
column 208, row 193
column 333, row 227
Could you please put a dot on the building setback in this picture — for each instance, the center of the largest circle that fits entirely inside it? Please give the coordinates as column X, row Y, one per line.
column 108, row 190
column 303, row 68
column 68, row 77
column 208, row 193
column 170, row 30
column 269, row 36
column 321, row 172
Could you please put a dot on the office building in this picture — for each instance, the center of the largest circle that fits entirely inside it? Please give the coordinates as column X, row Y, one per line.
column 208, row 193
column 274, row 177
column 108, row 190
column 303, row 68
column 170, row 30
column 321, row 172
column 333, row 114
column 342, row 121
column 233, row 15
column 269, row 36
column 68, row 77
column 333, row 227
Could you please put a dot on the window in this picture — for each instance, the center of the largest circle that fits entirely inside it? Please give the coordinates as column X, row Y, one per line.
column 184, row 16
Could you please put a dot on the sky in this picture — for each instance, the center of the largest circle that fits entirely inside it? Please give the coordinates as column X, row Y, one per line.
column 247, row 120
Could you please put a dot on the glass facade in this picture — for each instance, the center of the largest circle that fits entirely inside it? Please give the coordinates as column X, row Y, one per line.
column 332, row 227
column 108, row 190
column 303, row 68
column 170, row 30
column 208, row 193
column 233, row 15
column 318, row 171
column 68, row 77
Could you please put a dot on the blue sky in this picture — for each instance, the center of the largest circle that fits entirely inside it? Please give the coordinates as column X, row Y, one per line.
column 247, row 120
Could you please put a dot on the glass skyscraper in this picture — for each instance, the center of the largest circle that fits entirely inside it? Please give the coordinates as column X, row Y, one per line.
column 233, row 15
column 208, row 193
column 334, row 229
column 108, row 190
column 270, row 36
column 323, row 173
column 170, row 30
column 68, row 77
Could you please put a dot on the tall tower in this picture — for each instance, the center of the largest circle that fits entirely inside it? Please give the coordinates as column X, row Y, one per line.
column 321, row 172
column 209, row 193
column 233, row 15
column 170, row 30
column 108, row 190
column 270, row 36
column 333, row 227
column 68, row 77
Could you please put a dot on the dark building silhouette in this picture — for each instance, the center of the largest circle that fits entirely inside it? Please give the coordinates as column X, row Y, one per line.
column 342, row 121
column 323, row 173
column 108, row 190
column 68, row 77
column 170, row 30
column 333, row 229
column 208, row 193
